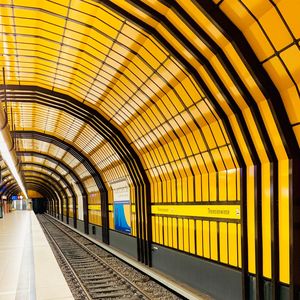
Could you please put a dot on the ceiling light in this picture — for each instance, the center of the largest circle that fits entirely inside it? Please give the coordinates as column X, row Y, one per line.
column 10, row 164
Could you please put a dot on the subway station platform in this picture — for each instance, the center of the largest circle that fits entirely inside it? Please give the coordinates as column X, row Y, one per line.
column 166, row 130
column 28, row 268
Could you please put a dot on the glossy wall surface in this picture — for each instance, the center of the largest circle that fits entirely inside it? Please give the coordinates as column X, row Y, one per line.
column 195, row 104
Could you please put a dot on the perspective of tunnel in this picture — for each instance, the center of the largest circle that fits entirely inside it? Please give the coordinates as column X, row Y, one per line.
column 194, row 104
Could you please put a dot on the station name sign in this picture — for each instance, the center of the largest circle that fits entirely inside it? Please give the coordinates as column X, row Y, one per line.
column 202, row 210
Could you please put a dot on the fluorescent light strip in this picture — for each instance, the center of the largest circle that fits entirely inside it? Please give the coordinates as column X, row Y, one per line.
column 10, row 164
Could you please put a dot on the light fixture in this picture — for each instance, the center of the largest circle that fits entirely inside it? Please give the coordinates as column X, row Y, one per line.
column 10, row 164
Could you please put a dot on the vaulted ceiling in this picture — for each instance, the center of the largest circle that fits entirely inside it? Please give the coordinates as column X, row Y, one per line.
column 156, row 92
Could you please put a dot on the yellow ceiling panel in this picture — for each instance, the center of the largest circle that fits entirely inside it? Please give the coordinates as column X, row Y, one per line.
column 40, row 118
column 50, row 164
column 71, row 42
column 93, row 55
column 88, row 52
column 52, row 18
column 6, row 13
column 60, row 7
column 5, row 2
column 134, row 74
column 275, row 29
column 9, row 31
column 129, row 42
column 290, row 14
column 19, row 11
column 92, row 63
column 289, row 57
column 278, row 73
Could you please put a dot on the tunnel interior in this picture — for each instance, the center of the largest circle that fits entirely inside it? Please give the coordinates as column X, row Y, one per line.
column 167, row 129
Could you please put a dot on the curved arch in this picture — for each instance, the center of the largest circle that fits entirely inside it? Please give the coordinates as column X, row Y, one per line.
column 68, row 170
column 60, row 199
column 275, row 102
column 114, row 138
column 66, row 183
column 279, row 116
column 61, row 179
column 233, row 84
column 58, row 163
column 42, row 174
column 88, row 166
column 61, row 191
column 13, row 190
column 65, row 167
column 70, row 105
column 82, row 159
column 217, row 12
column 54, row 200
column 41, row 177
column 44, row 191
column 142, row 209
column 50, row 190
column 67, row 147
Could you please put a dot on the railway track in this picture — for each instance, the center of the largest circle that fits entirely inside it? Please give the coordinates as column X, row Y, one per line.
column 93, row 273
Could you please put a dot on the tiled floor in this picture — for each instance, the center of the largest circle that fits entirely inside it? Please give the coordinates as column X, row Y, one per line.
column 28, row 268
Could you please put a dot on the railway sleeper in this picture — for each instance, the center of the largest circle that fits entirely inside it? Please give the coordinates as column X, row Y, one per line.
column 97, row 276
column 116, row 295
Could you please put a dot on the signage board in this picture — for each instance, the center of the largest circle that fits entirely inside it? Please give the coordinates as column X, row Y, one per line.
column 122, row 213
column 202, row 210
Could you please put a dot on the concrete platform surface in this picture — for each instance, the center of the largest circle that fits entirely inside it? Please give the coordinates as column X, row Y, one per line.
column 28, row 268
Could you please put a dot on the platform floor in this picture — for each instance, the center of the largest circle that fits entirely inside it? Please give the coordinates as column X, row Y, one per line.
column 28, row 268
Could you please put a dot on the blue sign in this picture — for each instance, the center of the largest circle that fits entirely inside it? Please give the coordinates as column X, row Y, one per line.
column 121, row 216
column 14, row 197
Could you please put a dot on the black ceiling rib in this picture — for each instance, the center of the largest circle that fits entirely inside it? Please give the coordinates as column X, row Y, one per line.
column 268, row 88
column 12, row 182
column 61, row 178
column 41, row 176
column 58, row 163
column 67, row 147
column 114, row 137
column 61, row 197
column 64, row 196
column 80, row 157
column 114, row 40
column 86, row 114
column 260, row 75
column 57, row 185
column 87, row 164
column 5, row 185
column 14, row 189
column 45, row 191
column 253, row 107
column 227, row 125
column 52, row 198
column 64, row 181
column 69, row 171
